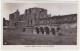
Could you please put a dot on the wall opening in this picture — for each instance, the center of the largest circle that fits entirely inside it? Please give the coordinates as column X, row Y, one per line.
column 46, row 30
column 53, row 31
column 37, row 30
column 42, row 30
column 24, row 29
column 59, row 31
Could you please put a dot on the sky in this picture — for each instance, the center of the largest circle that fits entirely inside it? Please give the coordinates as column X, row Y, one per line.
column 52, row 8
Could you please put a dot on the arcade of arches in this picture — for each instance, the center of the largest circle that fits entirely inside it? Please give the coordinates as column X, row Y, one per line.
column 46, row 30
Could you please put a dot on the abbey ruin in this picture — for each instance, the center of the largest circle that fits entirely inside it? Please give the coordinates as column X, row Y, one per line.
column 38, row 21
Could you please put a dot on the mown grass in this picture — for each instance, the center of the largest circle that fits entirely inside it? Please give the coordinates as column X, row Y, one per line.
column 13, row 38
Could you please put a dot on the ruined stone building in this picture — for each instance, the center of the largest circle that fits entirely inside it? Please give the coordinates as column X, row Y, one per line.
column 5, row 22
column 37, row 21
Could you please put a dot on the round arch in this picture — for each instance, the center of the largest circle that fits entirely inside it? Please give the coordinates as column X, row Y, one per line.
column 37, row 30
column 42, row 30
column 46, row 30
column 59, row 31
column 53, row 31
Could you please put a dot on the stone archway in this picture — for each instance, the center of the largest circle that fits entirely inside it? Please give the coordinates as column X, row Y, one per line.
column 46, row 30
column 53, row 31
column 37, row 30
column 42, row 30
column 59, row 31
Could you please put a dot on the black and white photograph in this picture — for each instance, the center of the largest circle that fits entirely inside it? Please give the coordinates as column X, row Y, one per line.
column 39, row 23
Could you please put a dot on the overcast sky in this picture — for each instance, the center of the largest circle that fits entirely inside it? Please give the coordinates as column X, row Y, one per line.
column 52, row 8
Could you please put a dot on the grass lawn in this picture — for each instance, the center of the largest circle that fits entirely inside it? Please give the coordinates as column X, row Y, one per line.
column 13, row 38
